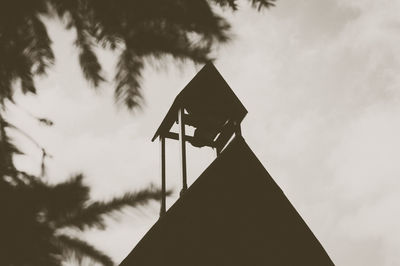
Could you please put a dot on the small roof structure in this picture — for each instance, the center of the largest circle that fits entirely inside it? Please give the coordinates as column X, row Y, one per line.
column 233, row 215
column 208, row 100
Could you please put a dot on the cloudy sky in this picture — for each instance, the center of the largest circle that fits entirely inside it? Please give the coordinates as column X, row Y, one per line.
column 320, row 81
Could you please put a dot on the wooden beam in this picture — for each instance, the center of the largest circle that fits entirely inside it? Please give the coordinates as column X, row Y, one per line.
column 175, row 136
column 163, row 178
column 182, row 140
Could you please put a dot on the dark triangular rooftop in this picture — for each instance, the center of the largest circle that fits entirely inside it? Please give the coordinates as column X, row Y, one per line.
column 207, row 94
column 233, row 215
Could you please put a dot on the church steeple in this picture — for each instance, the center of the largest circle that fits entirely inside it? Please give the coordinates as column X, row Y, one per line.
column 208, row 104
column 234, row 214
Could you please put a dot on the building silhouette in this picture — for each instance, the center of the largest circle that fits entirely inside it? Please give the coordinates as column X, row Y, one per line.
column 234, row 214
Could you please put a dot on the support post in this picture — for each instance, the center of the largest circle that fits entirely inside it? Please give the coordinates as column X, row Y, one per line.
column 163, row 180
column 183, row 149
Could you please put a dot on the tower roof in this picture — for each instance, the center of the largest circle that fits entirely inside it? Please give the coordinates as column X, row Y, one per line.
column 234, row 214
column 207, row 94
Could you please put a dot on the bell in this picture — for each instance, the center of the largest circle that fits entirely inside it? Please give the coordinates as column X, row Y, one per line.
column 207, row 128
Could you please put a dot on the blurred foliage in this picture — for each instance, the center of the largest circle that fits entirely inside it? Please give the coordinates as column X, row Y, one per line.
column 37, row 220
column 135, row 29
column 40, row 222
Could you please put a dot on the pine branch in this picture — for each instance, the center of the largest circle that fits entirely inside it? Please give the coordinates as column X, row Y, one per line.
column 40, row 47
column 87, row 58
column 64, row 199
column 93, row 215
column 90, row 65
column 184, row 29
column 7, row 150
column 82, row 249
column 128, row 77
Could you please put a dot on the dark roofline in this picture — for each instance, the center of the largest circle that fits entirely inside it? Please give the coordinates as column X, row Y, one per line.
column 170, row 117
column 234, row 192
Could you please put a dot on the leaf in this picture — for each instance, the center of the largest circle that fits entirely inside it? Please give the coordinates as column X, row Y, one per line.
column 90, row 65
column 128, row 77
column 82, row 249
column 93, row 214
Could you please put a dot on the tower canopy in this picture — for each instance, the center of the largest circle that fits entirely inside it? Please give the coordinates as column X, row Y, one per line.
column 210, row 106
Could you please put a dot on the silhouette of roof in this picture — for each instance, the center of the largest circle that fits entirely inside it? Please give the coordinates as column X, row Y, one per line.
column 234, row 214
column 206, row 94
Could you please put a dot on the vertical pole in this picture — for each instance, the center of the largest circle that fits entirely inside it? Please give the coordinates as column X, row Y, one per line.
column 163, row 181
column 183, row 149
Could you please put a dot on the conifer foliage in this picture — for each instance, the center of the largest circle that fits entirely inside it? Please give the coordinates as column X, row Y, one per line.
column 37, row 220
column 133, row 29
column 40, row 222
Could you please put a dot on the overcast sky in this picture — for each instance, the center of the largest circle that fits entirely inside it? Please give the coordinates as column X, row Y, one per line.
column 320, row 81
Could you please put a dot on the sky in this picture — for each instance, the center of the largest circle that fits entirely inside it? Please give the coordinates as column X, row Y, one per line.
column 319, row 79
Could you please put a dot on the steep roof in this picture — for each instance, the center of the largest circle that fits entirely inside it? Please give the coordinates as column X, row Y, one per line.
column 234, row 214
column 207, row 92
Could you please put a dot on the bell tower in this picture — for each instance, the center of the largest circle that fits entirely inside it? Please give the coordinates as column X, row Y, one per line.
column 208, row 104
